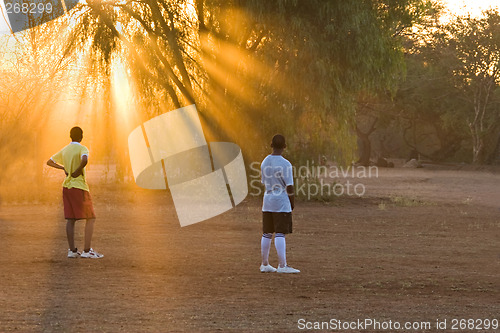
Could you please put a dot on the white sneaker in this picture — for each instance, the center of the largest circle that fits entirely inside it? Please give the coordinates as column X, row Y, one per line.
column 287, row 269
column 72, row 254
column 91, row 254
column 267, row 269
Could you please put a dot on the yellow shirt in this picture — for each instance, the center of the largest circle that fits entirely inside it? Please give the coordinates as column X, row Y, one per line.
column 70, row 157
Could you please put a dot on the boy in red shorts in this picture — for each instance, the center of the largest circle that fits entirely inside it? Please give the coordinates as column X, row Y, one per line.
column 76, row 197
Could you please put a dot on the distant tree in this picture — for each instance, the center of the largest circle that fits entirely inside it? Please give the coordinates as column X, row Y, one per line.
column 450, row 90
column 470, row 50
column 404, row 21
column 427, row 102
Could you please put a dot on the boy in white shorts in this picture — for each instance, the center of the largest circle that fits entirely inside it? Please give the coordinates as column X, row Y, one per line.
column 277, row 176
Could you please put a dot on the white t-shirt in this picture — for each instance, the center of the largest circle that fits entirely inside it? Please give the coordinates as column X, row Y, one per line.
column 277, row 174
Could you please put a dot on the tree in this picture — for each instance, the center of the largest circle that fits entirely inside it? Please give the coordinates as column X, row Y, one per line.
column 30, row 84
column 470, row 49
column 426, row 105
column 403, row 21
column 254, row 67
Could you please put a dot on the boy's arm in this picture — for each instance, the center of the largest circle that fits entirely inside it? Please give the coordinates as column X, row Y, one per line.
column 79, row 170
column 289, row 187
column 55, row 165
column 291, row 195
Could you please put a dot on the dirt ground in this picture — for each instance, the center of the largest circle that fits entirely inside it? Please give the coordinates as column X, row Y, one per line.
column 420, row 245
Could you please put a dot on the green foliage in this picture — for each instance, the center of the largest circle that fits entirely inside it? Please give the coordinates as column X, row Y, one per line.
column 326, row 53
column 428, row 98
column 254, row 67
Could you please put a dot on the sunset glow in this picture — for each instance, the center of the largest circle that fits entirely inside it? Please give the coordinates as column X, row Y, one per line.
column 463, row 7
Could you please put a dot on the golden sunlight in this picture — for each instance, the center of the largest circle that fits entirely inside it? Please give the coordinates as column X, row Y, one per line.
column 462, row 7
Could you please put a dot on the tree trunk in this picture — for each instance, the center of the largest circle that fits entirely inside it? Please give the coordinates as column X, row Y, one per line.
column 477, row 133
column 365, row 148
column 365, row 144
column 477, row 145
column 449, row 143
column 477, row 126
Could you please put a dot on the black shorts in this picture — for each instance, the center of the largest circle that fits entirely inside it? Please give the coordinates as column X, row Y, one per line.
column 276, row 222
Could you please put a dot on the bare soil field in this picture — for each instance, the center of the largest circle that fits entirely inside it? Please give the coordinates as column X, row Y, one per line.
column 421, row 245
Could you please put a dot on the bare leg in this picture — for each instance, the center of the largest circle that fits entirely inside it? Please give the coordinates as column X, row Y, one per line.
column 70, row 233
column 89, row 230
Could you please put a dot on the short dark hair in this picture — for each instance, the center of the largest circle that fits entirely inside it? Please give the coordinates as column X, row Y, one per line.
column 76, row 134
column 278, row 142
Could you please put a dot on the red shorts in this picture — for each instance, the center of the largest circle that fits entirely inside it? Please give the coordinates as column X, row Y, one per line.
column 77, row 204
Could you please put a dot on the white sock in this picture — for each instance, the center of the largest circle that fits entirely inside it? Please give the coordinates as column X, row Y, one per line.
column 280, row 244
column 265, row 246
